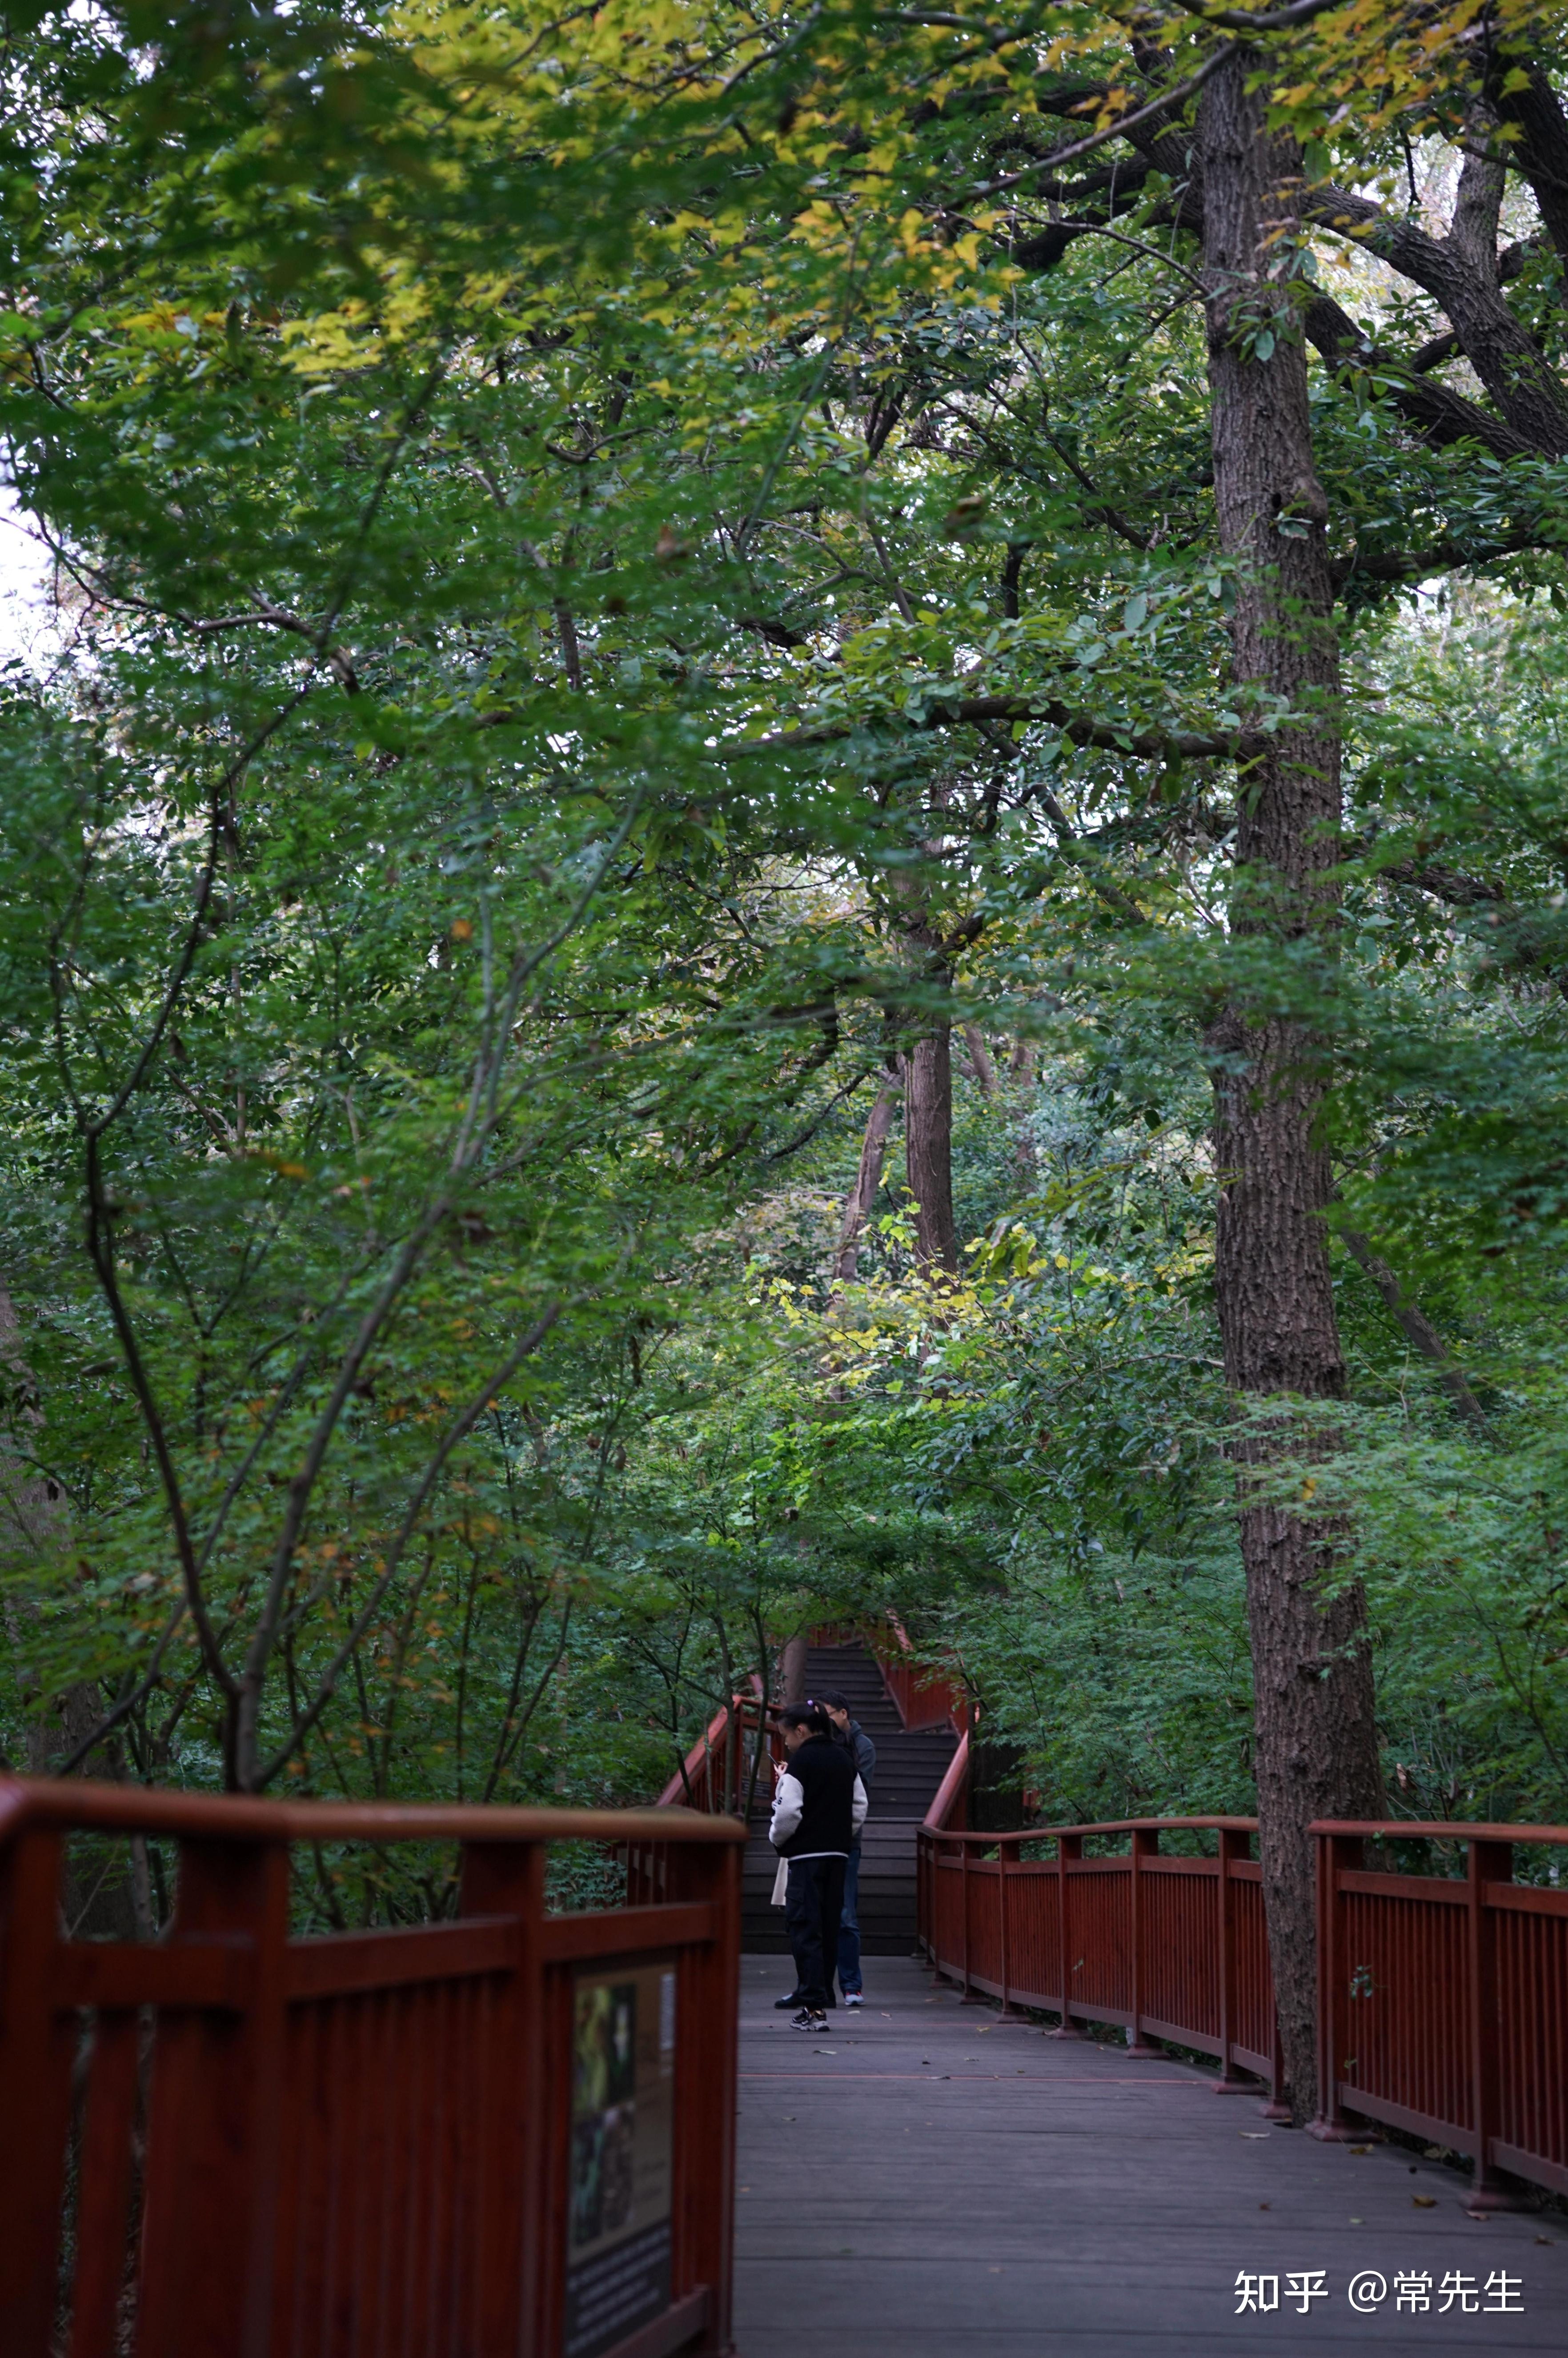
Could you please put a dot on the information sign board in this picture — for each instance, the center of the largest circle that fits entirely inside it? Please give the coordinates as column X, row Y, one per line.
column 618, row 2223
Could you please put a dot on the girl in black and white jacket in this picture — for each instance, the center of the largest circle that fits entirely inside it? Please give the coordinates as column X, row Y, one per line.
column 820, row 1804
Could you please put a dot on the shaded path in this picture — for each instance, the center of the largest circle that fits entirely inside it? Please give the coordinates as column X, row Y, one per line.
column 927, row 2181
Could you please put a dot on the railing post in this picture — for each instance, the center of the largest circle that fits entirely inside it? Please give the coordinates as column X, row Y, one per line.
column 934, row 1898
column 707, row 2014
column 1334, row 1851
column 1232, row 1847
column 1068, row 1846
column 922, row 1915
column 508, row 1879
column 1145, row 1844
column 968, row 1996
column 1489, row 1862
column 1008, row 2013
column 1276, row 2109
column 37, row 2048
column 210, row 2184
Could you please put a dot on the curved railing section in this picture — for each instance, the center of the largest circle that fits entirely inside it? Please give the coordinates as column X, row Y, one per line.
column 730, row 1762
column 922, row 1695
column 734, row 1758
column 1169, row 1948
column 510, row 2130
column 1442, row 1999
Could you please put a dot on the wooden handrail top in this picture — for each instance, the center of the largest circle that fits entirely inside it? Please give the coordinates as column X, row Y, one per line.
column 69, row 1804
column 1109, row 1826
column 1437, row 1830
column 1369, row 1829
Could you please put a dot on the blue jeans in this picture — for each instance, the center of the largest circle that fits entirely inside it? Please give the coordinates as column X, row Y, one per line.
column 849, row 1926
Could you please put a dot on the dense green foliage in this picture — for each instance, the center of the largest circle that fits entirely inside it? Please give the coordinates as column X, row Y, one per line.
column 593, row 602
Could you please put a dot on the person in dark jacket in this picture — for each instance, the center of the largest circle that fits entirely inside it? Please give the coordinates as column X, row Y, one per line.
column 863, row 1753
column 818, row 1804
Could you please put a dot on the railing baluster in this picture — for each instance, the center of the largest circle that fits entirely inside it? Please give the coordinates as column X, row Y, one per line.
column 1145, row 1844
column 963, row 1887
column 1068, row 1846
column 1336, row 1854
column 1276, row 2109
column 103, row 2200
column 1008, row 2012
column 1490, row 1862
column 1232, row 1847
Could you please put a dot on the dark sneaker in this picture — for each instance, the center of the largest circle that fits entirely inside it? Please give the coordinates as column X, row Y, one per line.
column 806, row 2020
column 782, row 2005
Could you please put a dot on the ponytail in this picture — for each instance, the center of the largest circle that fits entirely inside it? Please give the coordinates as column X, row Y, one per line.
column 806, row 1715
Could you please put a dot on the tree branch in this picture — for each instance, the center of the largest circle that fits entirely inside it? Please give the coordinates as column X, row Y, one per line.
column 1501, row 350
column 1415, row 1325
column 968, row 710
column 458, row 1430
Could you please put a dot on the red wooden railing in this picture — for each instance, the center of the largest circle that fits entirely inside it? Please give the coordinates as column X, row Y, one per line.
column 923, row 1696
column 1169, row 1948
column 718, row 1773
column 507, row 2133
column 721, row 1771
column 1443, row 2001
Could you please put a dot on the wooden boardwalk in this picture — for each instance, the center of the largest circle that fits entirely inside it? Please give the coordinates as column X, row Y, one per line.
column 925, row 2182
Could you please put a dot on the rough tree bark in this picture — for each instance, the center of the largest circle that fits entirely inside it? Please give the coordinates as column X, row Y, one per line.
column 867, row 1179
column 1316, row 1750
column 792, row 1667
column 1540, row 146
column 928, row 1070
column 928, row 1148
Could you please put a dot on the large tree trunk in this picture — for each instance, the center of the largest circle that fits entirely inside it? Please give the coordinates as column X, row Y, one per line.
column 867, row 1179
column 928, row 1148
column 792, row 1667
column 928, row 1070
column 1316, row 1752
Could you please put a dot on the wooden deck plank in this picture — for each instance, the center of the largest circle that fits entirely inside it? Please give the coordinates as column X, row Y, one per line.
column 969, row 2186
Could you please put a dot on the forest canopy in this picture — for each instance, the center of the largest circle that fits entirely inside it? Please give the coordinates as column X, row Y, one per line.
column 789, row 844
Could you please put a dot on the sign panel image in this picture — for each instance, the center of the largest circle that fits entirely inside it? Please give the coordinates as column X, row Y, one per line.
column 618, row 2219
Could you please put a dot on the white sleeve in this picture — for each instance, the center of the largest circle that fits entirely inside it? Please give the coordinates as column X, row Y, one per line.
column 860, row 1805
column 789, row 1801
